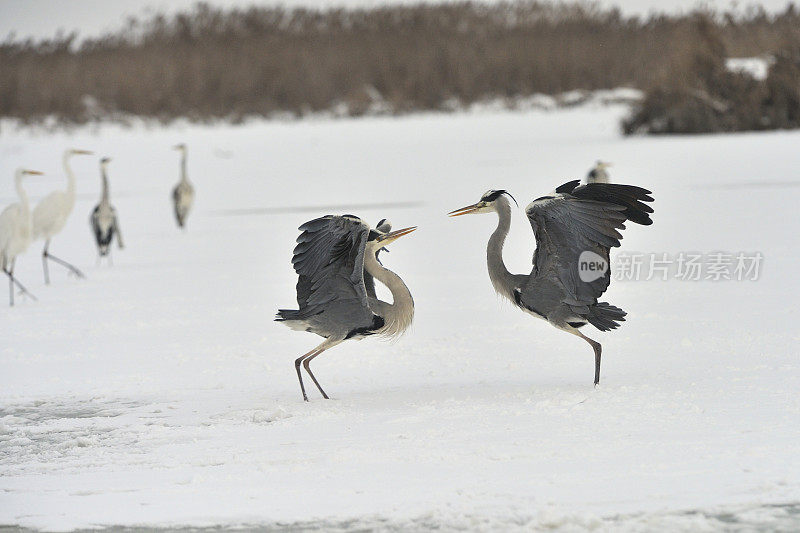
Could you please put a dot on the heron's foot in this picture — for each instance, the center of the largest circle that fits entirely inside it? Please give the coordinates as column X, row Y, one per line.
column 24, row 292
column 75, row 272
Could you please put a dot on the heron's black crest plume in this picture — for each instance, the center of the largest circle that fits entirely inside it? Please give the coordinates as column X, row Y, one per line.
column 494, row 195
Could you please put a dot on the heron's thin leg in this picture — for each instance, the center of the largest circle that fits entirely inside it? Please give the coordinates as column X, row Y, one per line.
column 299, row 375
column 10, row 288
column 306, row 363
column 14, row 281
column 44, row 263
column 47, row 255
column 23, row 290
column 598, row 350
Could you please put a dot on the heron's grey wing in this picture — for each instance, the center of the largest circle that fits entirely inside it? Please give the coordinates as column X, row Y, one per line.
column 587, row 219
column 630, row 197
column 565, row 227
column 329, row 261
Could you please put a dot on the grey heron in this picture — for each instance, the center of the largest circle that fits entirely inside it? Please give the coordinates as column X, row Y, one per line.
column 574, row 228
column 51, row 214
column 599, row 173
column 105, row 225
column 183, row 193
column 15, row 232
column 333, row 256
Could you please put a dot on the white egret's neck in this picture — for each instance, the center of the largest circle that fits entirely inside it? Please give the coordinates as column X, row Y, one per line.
column 70, row 175
column 23, row 197
column 502, row 279
column 400, row 313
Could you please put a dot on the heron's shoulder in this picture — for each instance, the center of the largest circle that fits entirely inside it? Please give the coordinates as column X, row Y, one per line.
column 334, row 224
column 544, row 202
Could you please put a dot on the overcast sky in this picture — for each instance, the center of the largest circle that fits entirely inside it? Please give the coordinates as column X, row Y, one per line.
column 42, row 18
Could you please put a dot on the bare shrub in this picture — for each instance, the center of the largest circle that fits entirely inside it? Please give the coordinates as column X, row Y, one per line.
column 210, row 64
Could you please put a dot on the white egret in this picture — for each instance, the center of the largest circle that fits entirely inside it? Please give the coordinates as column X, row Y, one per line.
column 15, row 233
column 51, row 214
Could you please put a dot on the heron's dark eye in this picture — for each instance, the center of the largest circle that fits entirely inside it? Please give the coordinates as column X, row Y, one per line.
column 373, row 235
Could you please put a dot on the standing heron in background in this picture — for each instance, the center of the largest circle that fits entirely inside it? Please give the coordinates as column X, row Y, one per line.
column 574, row 228
column 104, row 218
column 183, row 193
column 51, row 214
column 334, row 258
column 599, row 174
column 15, row 233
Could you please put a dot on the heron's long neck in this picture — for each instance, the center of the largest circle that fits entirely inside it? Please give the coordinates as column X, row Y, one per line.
column 70, row 178
column 502, row 279
column 184, row 175
column 104, row 198
column 23, row 197
column 401, row 310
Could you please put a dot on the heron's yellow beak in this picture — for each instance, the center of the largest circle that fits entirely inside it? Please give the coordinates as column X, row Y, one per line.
column 34, row 173
column 394, row 235
column 83, row 152
column 466, row 210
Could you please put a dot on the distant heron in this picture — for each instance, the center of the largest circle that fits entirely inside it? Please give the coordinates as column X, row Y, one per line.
column 574, row 227
column 104, row 218
column 333, row 257
column 15, row 233
column 599, row 174
column 183, row 193
column 51, row 214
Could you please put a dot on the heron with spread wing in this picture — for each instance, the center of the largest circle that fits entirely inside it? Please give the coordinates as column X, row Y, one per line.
column 336, row 260
column 575, row 227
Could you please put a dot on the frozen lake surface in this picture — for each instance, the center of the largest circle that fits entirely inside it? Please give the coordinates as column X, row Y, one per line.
column 160, row 393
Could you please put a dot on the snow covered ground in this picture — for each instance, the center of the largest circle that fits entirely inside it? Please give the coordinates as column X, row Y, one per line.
column 159, row 392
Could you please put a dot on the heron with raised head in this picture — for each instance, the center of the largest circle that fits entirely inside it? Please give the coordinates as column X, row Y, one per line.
column 575, row 227
column 51, row 214
column 599, row 173
column 336, row 260
column 105, row 224
column 183, row 193
column 15, row 232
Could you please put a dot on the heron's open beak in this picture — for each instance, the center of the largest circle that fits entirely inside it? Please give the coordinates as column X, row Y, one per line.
column 465, row 210
column 34, row 173
column 83, row 152
column 394, row 235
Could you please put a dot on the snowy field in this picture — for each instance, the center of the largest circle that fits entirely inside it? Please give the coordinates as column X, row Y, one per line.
column 159, row 392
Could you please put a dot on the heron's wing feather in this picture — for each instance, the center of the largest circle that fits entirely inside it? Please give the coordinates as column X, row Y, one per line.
column 8, row 221
column 565, row 227
column 329, row 261
column 580, row 219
